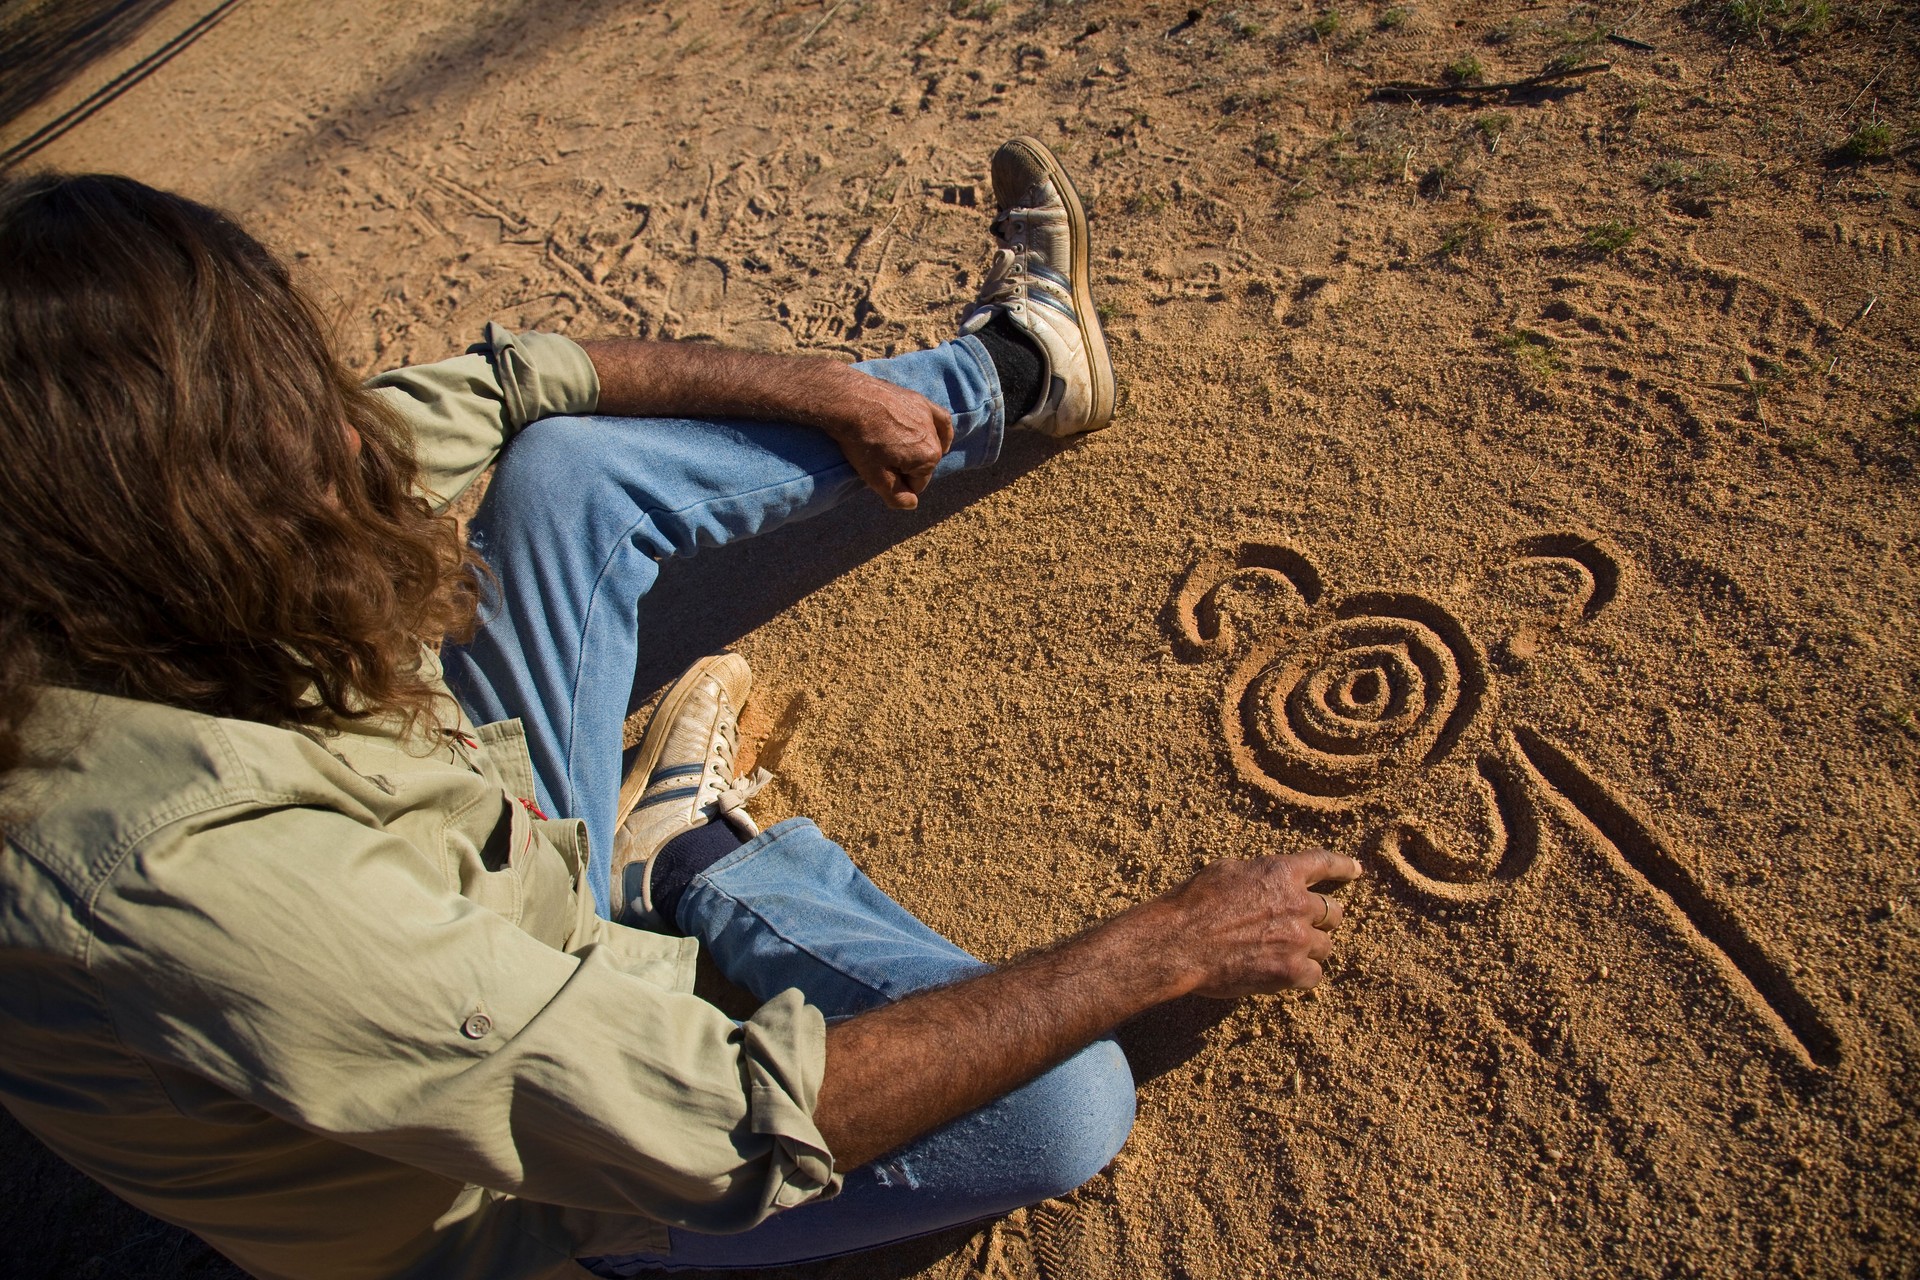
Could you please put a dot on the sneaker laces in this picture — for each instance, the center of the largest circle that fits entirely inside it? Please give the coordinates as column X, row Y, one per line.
column 729, row 805
column 720, row 757
column 722, row 795
column 1003, row 284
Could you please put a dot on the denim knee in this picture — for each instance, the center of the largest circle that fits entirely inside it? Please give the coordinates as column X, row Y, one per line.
column 1078, row 1118
column 546, row 463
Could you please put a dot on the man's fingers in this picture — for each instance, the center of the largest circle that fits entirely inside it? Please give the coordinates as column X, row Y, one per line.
column 902, row 490
column 1333, row 910
column 1318, row 866
column 1319, row 947
column 943, row 427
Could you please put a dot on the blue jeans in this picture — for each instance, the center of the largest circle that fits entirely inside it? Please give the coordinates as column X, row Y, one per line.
column 578, row 516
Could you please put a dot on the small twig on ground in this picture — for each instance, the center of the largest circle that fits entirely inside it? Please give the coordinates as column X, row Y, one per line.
column 824, row 19
column 1615, row 36
column 1422, row 92
column 580, row 280
column 886, row 242
column 1863, row 93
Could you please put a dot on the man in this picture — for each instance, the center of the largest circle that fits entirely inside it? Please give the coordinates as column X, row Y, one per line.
column 354, row 978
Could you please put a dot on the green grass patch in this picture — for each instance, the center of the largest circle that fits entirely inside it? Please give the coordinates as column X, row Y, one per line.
column 1674, row 175
column 1491, row 125
column 1463, row 237
column 1352, row 158
column 1609, row 238
column 1394, row 18
column 1295, row 197
column 1373, row 150
column 1463, row 71
column 1770, row 19
column 1871, row 141
column 1326, row 25
column 1692, row 188
column 1509, row 31
column 1146, row 204
column 1248, row 100
column 1578, row 46
column 1900, row 715
column 1535, row 353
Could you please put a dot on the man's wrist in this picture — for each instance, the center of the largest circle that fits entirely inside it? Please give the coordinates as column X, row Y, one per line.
column 818, row 393
column 1150, row 944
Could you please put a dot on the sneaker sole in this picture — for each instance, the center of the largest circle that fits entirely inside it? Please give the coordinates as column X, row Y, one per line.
column 654, row 740
column 1080, row 277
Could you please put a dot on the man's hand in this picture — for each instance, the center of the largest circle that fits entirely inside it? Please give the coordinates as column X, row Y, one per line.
column 893, row 437
column 1236, row 928
column 1259, row 926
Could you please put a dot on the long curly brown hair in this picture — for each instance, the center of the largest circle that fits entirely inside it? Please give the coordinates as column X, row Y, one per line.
column 198, row 505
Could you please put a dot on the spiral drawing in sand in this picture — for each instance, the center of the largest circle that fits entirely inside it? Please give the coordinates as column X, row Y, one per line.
column 1335, row 706
column 1354, row 705
column 1388, row 684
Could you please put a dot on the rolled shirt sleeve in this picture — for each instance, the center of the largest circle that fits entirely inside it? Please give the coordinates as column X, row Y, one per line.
column 336, row 982
column 463, row 411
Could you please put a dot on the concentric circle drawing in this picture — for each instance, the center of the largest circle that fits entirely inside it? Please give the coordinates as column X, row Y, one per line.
column 1324, row 719
column 1379, row 707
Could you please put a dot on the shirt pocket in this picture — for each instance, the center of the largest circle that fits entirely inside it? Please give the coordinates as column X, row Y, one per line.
column 513, row 869
column 483, row 840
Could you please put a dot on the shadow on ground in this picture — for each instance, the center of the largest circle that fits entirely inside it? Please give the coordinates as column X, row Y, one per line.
column 44, row 44
column 1166, row 1036
column 705, row 603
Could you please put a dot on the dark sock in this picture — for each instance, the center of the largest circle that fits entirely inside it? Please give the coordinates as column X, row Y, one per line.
column 685, row 857
column 1018, row 362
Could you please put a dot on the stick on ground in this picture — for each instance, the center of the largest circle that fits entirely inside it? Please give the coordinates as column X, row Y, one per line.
column 1420, row 92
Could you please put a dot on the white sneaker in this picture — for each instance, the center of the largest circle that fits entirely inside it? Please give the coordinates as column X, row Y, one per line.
column 683, row 777
column 1039, row 281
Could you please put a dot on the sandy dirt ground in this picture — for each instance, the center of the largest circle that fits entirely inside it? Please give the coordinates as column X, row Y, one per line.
column 1515, row 489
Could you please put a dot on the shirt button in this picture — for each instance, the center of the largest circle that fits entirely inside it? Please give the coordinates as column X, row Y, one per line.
column 477, row 1026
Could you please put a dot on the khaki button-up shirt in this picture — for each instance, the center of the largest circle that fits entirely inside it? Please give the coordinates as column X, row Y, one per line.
column 339, row 1002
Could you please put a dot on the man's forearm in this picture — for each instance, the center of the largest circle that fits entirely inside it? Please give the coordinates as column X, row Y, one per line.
column 901, row 1070
column 893, row 437
column 1235, row 928
column 641, row 379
